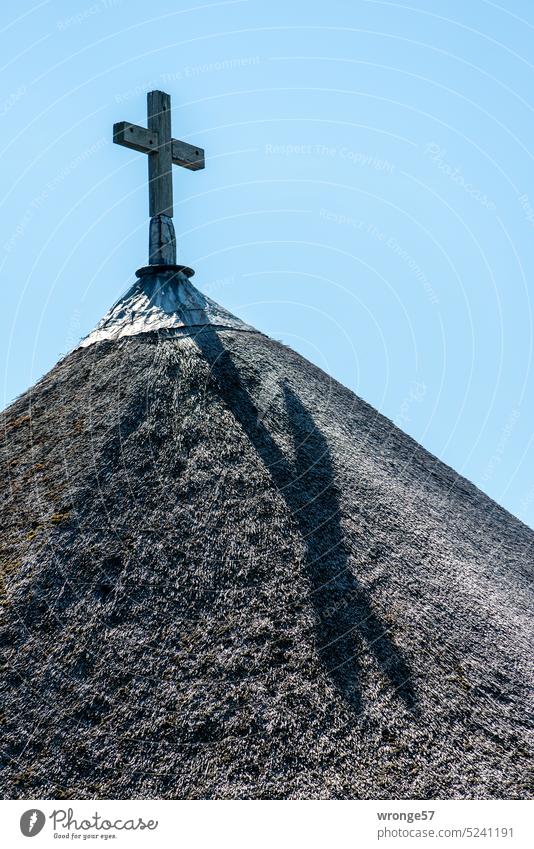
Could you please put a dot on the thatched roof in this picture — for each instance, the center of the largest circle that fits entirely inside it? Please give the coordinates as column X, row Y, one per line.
column 226, row 576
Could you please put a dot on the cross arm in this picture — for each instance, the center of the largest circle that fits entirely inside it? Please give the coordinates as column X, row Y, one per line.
column 147, row 141
column 187, row 155
column 134, row 137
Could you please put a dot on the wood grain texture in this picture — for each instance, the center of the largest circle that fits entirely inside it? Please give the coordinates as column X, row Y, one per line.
column 187, row 155
column 161, row 241
column 135, row 137
column 163, row 150
column 160, row 166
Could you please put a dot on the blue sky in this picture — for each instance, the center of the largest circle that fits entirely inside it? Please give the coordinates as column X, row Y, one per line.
column 368, row 196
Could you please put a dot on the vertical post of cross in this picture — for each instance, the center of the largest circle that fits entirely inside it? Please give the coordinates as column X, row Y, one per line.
column 163, row 151
column 160, row 163
column 162, row 238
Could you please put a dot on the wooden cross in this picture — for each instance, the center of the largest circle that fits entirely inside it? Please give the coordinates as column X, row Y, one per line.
column 163, row 152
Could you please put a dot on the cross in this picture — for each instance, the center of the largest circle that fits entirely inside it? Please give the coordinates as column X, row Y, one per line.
column 163, row 152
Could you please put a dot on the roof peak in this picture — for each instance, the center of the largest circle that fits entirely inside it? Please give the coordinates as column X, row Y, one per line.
column 162, row 300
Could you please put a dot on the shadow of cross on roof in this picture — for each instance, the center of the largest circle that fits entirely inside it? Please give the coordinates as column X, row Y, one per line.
column 345, row 618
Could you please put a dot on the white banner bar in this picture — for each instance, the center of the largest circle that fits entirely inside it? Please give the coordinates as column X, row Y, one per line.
column 278, row 824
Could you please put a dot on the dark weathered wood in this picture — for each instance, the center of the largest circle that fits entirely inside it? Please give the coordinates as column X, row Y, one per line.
column 135, row 137
column 187, row 155
column 164, row 151
column 146, row 141
column 160, row 166
column 161, row 241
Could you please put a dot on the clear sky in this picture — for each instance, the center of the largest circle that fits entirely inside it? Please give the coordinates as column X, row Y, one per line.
column 368, row 195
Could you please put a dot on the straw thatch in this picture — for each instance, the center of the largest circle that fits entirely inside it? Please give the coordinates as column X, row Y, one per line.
column 226, row 576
